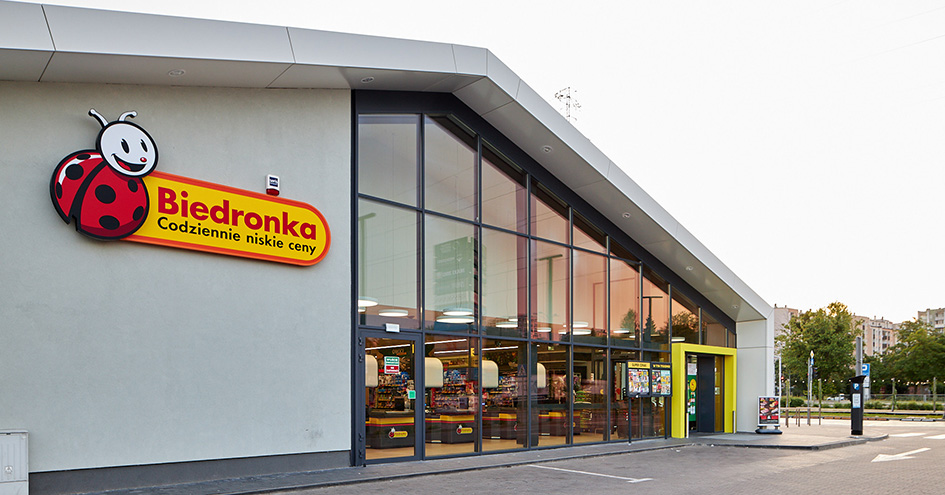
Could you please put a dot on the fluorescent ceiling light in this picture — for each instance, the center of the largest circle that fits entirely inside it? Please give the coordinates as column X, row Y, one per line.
column 366, row 302
column 393, row 312
column 457, row 312
column 455, row 319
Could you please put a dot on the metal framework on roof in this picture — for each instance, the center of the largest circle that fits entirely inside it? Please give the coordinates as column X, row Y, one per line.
column 44, row 43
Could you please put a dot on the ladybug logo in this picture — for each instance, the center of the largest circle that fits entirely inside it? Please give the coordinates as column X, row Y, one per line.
column 102, row 189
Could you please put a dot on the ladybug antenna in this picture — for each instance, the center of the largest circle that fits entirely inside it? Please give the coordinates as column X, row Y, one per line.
column 98, row 116
column 127, row 115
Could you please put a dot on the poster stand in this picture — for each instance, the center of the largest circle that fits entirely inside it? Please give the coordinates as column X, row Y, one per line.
column 769, row 415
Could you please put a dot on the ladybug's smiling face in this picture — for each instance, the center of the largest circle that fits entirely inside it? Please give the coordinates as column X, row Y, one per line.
column 128, row 149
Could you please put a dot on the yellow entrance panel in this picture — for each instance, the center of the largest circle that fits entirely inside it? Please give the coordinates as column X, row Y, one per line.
column 680, row 421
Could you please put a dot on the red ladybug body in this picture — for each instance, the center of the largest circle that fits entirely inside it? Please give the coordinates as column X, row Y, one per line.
column 105, row 204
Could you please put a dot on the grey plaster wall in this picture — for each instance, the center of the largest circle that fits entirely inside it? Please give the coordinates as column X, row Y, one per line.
column 121, row 353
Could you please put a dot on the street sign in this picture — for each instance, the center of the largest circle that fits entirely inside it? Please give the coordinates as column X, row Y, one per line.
column 865, row 370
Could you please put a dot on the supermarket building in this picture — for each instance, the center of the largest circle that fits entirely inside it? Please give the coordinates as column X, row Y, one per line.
column 449, row 268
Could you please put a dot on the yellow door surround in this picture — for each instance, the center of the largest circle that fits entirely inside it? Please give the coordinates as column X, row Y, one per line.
column 680, row 421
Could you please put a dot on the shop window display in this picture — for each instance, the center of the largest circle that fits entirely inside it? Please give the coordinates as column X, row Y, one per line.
column 504, row 395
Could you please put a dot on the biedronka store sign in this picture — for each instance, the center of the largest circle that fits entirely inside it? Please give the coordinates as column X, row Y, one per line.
column 105, row 193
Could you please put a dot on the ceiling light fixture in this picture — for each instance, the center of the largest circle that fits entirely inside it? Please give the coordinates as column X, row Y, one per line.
column 455, row 319
column 367, row 80
column 175, row 72
column 547, row 149
column 366, row 302
column 457, row 312
column 393, row 312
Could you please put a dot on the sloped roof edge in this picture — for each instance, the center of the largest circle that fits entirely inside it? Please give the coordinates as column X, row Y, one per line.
column 45, row 43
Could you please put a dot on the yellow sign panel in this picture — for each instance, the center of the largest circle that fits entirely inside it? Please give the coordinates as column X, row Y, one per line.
column 192, row 214
column 464, row 431
column 638, row 365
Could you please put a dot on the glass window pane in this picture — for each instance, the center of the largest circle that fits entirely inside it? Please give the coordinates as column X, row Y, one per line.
column 621, row 252
column 550, row 421
column 504, row 283
column 590, row 298
column 655, row 333
column 619, row 400
column 451, row 255
column 451, row 394
column 713, row 333
column 388, row 154
column 549, row 216
column 624, row 303
column 450, row 165
column 504, row 394
column 588, row 236
column 387, row 265
column 685, row 320
column 387, row 398
column 503, row 193
column 589, row 375
column 550, row 291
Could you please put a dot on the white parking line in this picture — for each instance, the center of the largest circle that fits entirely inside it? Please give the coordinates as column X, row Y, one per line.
column 628, row 480
column 908, row 434
column 936, row 437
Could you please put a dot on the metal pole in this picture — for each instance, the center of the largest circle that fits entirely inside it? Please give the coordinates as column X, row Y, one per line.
column 934, row 393
column 894, row 395
column 810, row 382
column 820, row 401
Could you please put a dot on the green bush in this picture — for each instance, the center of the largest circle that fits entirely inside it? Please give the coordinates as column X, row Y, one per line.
column 796, row 402
column 876, row 404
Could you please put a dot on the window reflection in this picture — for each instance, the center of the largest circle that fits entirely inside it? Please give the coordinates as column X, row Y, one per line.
column 450, row 165
column 590, row 298
column 713, row 332
column 655, row 332
column 451, row 256
column 550, row 291
column 504, row 284
column 685, row 320
column 587, row 236
column 387, row 265
column 549, row 216
column 388, row 154
column 624, row 303
column 503, row 193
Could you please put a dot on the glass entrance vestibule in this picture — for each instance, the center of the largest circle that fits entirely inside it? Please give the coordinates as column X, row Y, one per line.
column 519, row 304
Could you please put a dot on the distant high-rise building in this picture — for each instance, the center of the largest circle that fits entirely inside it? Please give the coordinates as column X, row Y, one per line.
column 782, row 315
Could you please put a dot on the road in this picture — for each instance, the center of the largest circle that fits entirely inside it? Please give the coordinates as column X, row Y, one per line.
column 908, row 462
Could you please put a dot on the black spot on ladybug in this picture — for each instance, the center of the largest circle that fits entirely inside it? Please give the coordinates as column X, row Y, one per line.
column 132, row 185
column 83, row 156
column 105, row 193
column 58, row 190
column 139, row 212
column 74, row 171
column 109, row 222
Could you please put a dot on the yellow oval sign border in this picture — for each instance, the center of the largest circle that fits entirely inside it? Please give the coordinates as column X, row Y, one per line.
column 151, row 239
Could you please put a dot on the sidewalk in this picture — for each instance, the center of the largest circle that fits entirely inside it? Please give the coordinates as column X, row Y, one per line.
column 814, row 437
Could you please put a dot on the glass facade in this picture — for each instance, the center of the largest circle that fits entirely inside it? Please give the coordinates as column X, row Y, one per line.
column 527, row 310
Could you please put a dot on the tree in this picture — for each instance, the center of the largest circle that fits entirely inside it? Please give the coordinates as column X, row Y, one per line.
column 829, row 333
column 686, row 325
column 919, row 354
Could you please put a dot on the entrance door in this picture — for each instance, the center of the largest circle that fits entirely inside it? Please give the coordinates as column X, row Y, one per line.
column 705, row 394
column 390, row 397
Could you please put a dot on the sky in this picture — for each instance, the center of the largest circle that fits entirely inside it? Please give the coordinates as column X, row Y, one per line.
column 800, row 141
